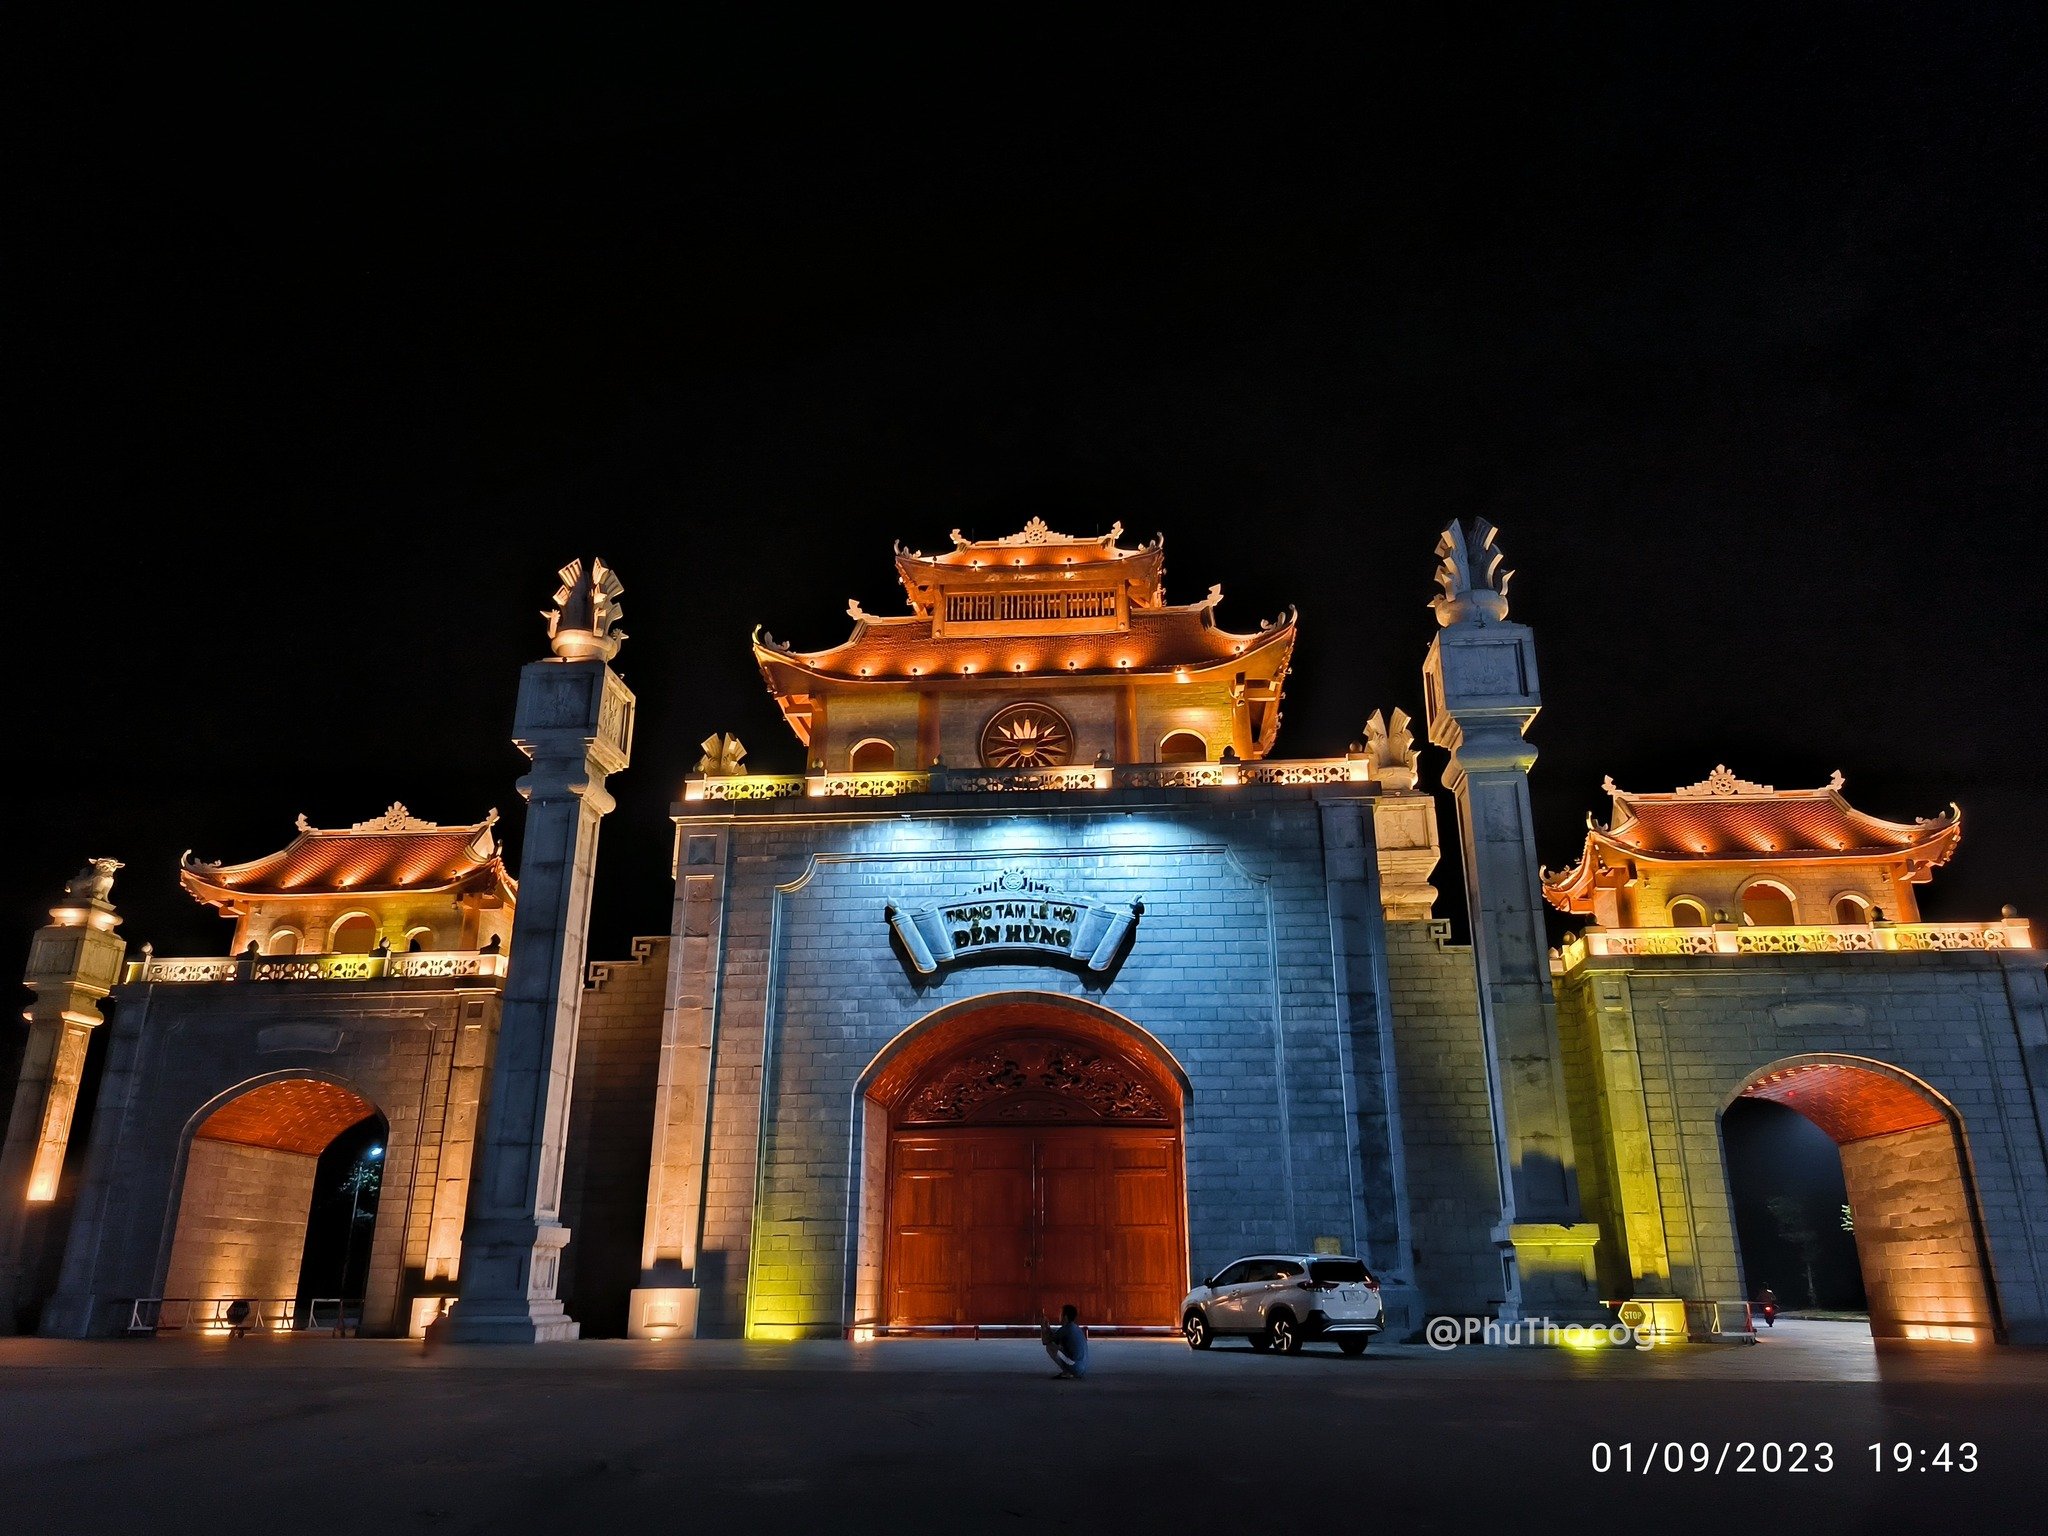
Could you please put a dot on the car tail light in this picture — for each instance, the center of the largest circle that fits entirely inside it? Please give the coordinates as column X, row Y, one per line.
column 1370, row 1283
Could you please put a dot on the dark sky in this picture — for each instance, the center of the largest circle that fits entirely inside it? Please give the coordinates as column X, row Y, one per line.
column 328, row 347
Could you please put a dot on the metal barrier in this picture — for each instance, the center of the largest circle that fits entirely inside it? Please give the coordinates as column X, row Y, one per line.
column 336, row 1315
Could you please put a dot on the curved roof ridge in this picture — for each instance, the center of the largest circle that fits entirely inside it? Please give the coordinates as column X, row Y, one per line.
column 768, row 650
column 388, row 854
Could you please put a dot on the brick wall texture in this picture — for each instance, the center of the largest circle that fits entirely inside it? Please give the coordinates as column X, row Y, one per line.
column 1915, row 1236
column 611, row 1120
column 242, row 1222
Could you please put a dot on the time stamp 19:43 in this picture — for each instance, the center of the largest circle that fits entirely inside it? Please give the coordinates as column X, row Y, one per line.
column 1648, row 1457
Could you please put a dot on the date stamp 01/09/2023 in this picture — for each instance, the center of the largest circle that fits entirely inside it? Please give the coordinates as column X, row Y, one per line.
column 1646, row 1458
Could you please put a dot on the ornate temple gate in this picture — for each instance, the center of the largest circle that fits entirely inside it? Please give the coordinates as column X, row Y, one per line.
column 1031, row 1170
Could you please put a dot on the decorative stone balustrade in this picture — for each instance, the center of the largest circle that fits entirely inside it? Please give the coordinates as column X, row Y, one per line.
column 894, row 782
column 1803, row 939
column 183, row 970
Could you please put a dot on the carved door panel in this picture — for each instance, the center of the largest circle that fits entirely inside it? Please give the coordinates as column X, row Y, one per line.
column 996, row 1227
column 1146, row 1255
column 1069, row 1241
column 1007, row 1226
column 924, row 1217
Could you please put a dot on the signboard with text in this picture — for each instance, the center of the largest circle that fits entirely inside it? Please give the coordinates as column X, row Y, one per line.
column 1016, row 916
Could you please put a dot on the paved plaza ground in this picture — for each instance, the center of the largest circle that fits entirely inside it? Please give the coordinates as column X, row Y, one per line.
column 322, row 1435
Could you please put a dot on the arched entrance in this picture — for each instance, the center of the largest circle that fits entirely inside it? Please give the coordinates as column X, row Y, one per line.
column 1033, row 1158
column 254, row 1177
column 1905, row 1171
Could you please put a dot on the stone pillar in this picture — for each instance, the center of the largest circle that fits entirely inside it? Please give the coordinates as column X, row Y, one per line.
column 664, row 1303
column 575, row 722
column 1480, row 679
column 72, row 964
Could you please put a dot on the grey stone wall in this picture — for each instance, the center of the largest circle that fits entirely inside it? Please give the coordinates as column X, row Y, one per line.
column 1447, row 1120
column 611, row 1122
column 1233, row 970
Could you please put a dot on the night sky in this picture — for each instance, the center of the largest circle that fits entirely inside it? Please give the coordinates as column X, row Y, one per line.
column 329, row 347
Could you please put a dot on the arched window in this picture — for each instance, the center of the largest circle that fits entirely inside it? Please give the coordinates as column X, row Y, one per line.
column 1850, row 908
column 1765, row 905
column 417, row 939
column 872, row 756
column 282, row 941
column 355, row 934
column 1688, row 913
column 1183, row 747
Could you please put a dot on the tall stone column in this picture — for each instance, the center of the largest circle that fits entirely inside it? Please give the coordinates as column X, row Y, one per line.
column 1482, row 690
column 575, row 722
column 73, row 963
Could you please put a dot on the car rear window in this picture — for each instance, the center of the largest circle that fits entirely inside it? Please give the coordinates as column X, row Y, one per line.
column 1336, row 1271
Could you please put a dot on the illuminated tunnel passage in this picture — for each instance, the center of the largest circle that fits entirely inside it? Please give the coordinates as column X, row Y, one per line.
column 279, row 1199
column 1917, row 1240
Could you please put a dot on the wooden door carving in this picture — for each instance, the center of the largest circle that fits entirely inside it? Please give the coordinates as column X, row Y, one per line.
column 1029, row 1172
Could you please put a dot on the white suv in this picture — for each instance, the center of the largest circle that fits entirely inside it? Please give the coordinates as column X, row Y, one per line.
column 1281, row 1301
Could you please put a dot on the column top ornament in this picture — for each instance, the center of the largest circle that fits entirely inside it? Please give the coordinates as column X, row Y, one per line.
column 1390, row 747
column 1472, row 572
column 583, row 624
column 95, row 882
column 723, row 755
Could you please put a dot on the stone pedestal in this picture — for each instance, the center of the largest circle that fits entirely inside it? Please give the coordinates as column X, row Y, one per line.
column 1482, row 690
column 662, row 1312
column 72, row 965
column 575, row 721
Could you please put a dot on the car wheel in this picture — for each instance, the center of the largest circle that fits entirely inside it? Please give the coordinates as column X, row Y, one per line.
column 1195, row 1329
column 1354, row 1347
column 1283, row 1334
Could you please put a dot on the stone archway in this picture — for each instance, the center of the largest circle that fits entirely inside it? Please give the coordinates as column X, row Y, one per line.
column 248, row 1185
column 1905, row 1164
column 1022, row 1152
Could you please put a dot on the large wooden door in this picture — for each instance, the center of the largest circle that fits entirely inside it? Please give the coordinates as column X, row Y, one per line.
column 1007, row 1225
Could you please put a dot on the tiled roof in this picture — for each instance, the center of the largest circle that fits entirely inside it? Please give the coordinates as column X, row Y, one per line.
column 1742, row 828
column 1723, row 819
column 1036, row 548
column 394, row 853
column 1159, row 640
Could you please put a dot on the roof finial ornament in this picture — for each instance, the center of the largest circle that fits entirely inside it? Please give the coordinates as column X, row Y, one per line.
column 1722, row 781
column 723, row 755
column 396, row 818
column 582, row 626
column 1473, row 575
